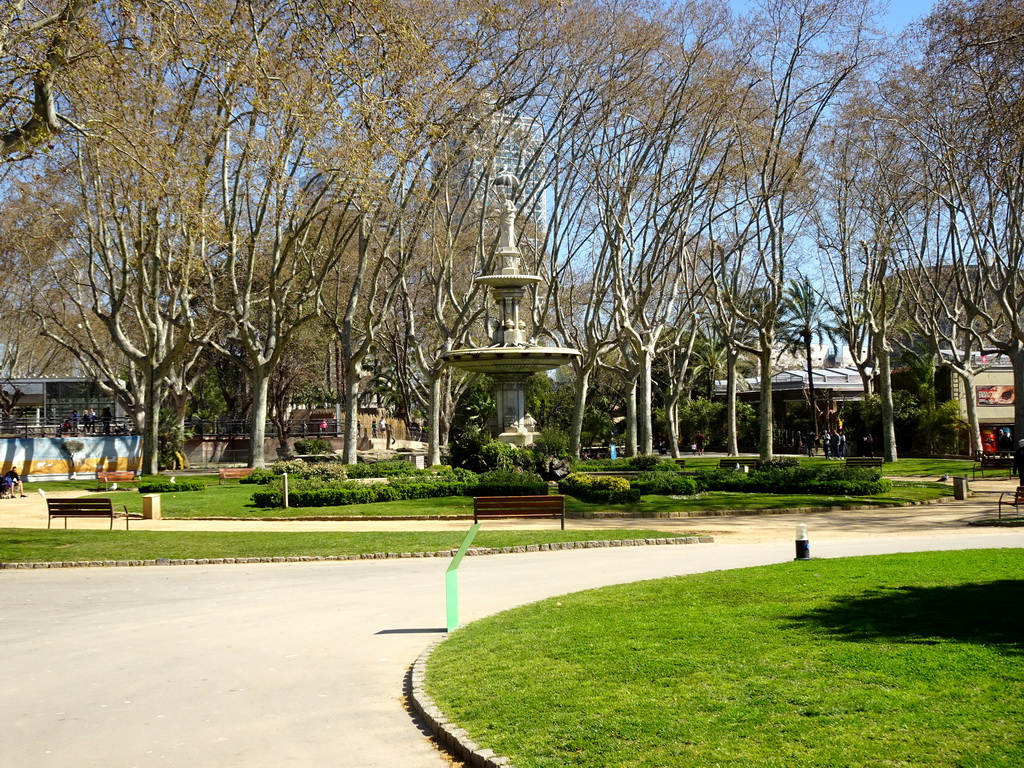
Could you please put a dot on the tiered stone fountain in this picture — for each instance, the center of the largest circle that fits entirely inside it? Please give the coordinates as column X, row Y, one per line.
column 513, row 356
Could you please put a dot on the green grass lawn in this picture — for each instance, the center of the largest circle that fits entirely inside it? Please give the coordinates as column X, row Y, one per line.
column 22, row 545
column 909, row 660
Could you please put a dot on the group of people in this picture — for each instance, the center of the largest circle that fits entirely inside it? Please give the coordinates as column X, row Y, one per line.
column 833, row 442
column 10, row 485
column 86, row 422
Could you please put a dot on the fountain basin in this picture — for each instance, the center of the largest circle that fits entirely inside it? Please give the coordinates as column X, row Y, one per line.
column 508, row 281
column 500, row 360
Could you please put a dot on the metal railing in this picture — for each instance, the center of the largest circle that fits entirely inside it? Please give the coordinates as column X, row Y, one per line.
column 30, row 428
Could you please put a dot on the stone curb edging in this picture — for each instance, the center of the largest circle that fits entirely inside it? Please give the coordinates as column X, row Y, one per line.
column 450, row 737
column 558, row 546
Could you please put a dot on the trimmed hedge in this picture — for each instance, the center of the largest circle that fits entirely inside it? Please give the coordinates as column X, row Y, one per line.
column 830, row 480
column 664, row 484
column 312, row 493
column 162, row 486
column 643, row 463
column 505, row 483
column 297, row 468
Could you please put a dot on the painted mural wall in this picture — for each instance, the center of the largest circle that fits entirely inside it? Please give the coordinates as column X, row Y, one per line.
column 46, row 458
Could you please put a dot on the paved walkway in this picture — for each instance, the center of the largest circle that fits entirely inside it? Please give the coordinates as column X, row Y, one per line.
column 302, row 664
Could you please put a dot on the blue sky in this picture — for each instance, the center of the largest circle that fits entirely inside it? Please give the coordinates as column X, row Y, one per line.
column 901, row 12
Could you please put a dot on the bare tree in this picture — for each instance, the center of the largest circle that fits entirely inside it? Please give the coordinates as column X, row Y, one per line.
column 38, row 43
column 799, row 56
column 959, row 107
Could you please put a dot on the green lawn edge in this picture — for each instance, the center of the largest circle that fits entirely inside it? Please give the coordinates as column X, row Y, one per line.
column 899, row 660
column 31, row 545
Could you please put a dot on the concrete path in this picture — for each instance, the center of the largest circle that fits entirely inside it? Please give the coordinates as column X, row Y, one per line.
column 302, row 664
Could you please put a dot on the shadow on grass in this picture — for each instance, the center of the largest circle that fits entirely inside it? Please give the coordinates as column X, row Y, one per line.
column 988, row 613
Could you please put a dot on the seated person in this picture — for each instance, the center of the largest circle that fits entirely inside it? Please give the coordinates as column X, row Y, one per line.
column 17, row 488
column 5, row 487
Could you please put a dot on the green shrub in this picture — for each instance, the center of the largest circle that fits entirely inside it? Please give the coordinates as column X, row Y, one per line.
column 603, row 465
column 502, row 456
column 599, row 490
column 721, row 480
column 291, row 466
column 327, row 471
column 664, row 484
column 553, row 442
column 313, row 446
column 316, row 493
column 385, row 469
column 604, row 496
column 259, row 477
column 162, row 486
column 835, row 480
column 509, row 483
column 776, row 463
column 644, row 462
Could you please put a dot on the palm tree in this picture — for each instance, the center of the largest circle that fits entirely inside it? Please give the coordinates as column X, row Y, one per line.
column 803, row 320
column 710, row 362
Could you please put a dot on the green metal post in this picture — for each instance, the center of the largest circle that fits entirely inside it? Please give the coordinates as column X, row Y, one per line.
column 451, row 578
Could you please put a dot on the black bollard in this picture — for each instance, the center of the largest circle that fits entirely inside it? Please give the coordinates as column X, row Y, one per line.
column 803, row 544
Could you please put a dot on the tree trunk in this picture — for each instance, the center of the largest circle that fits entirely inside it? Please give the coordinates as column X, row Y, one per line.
column 732, row 428
column 151, row 426
column 971, row 401
column 885, row 392
column 1017, row 358
column 581, row 387
column 434, row 438
column 672, row 420
column 258, row 428
column 766, row 448
column 631, row 419
column 810, row 380
column 645, row 405
column 350, row 450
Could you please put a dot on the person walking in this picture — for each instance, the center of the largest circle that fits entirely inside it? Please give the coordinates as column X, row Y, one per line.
column 1018, row 460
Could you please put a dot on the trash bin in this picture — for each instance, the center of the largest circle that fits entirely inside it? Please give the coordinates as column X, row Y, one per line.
column 960, row 487
column 151, row 507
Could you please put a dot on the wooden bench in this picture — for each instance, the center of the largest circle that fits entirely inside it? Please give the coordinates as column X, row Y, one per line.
column 864, row 461
column 991, row 462
column 233, row 473
column 552, row 506
column 1013, row 499
column 118, row 476
column 83, row 508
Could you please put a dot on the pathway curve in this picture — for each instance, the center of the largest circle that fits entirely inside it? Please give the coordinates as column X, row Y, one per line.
column 302, row 664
